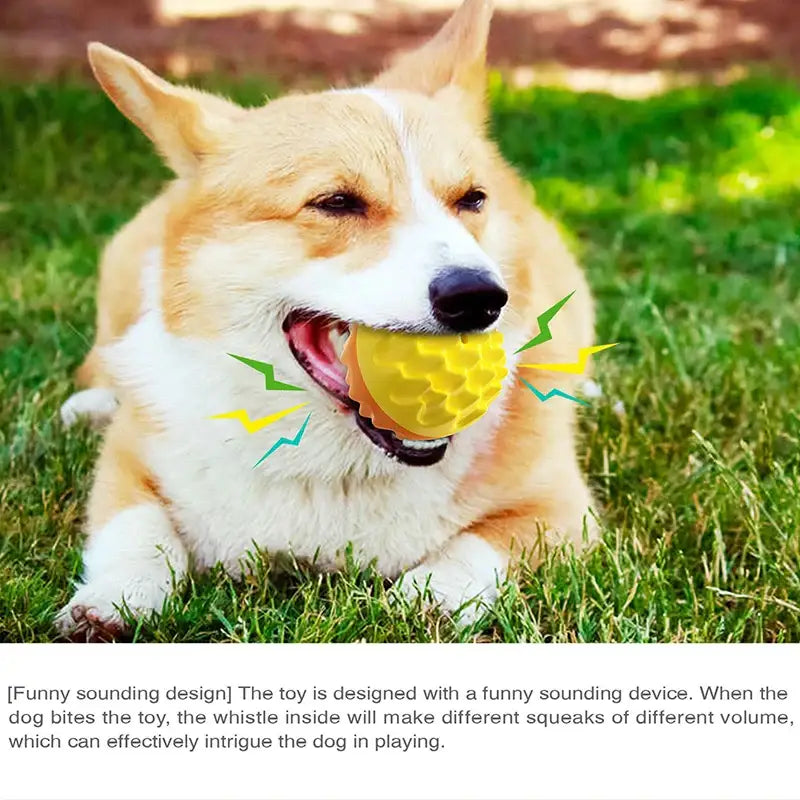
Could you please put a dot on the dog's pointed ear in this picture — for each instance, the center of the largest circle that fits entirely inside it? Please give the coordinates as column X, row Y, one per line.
column 455, row 56
column 183, row 123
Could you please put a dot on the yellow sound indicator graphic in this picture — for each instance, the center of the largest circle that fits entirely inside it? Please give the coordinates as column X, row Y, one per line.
column 253, row 425
column 576, row 367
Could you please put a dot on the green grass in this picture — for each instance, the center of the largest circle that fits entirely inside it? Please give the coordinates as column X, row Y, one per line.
column 686, row 211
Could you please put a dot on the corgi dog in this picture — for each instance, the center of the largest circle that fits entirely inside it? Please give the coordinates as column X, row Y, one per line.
column 386, row 206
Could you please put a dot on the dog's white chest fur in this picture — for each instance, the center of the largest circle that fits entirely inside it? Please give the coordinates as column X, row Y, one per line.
column 224, row 513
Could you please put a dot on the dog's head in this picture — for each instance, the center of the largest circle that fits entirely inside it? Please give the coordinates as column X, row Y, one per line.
column 382, row 205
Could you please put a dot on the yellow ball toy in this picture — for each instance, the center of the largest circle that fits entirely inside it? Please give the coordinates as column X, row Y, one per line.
column 423, row 386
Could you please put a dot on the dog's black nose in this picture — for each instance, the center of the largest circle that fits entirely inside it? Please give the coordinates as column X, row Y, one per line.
column 466, row 299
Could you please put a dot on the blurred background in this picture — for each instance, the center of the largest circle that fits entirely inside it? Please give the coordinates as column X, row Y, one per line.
column 624, row 46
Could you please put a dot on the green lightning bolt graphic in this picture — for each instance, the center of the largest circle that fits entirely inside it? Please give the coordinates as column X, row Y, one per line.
column 543, row 321
column 269, row 375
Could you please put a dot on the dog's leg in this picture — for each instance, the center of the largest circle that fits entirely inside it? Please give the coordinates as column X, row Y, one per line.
column 132, row 560
column 133, row 555
column 464, row 577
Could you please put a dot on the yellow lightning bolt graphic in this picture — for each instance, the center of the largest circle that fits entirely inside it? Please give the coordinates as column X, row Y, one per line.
column 253, row 425
column 576, row 367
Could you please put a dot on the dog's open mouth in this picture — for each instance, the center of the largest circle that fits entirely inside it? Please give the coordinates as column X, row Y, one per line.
column 317, row 341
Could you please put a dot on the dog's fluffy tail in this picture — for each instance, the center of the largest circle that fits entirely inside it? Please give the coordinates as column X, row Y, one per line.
column 96, row 401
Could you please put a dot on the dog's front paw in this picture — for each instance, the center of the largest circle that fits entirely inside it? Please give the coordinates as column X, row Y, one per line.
column 93, row 614
column 462, row 579
column 82, row 623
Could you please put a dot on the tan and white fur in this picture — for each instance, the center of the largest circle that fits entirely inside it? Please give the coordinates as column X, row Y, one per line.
column 213, row 266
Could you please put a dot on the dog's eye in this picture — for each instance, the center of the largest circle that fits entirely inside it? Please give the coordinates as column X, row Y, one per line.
column 473, row 200
column 341, row 203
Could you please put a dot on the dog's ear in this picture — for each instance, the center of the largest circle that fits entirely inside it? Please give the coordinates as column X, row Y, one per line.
column 455, row 56
column 183, row 123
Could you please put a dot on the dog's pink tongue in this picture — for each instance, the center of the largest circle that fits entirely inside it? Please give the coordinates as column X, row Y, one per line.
column 312, row 339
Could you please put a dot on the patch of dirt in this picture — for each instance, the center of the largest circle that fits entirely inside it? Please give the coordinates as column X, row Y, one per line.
column 352, row 38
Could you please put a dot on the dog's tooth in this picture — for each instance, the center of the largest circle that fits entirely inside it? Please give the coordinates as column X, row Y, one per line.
column 415, row 444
